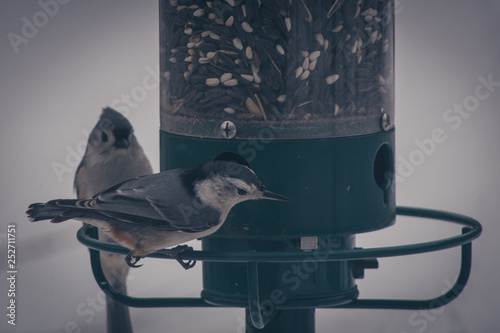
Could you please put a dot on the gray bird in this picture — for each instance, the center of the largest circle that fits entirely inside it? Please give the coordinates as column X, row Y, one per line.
column 151, row 213
column 112, row 155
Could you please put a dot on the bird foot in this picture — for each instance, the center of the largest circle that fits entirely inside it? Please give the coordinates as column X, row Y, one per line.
column 174, row 253
column 132, row 260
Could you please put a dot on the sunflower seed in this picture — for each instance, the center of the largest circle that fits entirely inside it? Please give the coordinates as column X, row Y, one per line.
column 338, row 28
column 248, row 53
column 252, row 107
column 213, row 35
column 314, row 55
column 281, row 98
column 280, row 49
column 358, row 10
column 229, row 110
column 230, row 83
column 247, row 27
column 320, row 39
column 237, row 43
column 247, row 77
column 288, row 24
column 256, row 78
column 260, row 106
column 298, row 71
column 199, row 12
column 212, row 82
column 305, row 64
column 336, row 110
column 226, row 76
column 228, row 52
column 312, row 64
column 305, row 74
column 229, row 21
column 327, row 43
column 386, row 45
column 332, row 78
column 367, row 12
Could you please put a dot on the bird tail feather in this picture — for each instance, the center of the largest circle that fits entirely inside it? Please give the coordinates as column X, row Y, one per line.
column 56, row 211
column 40, row 212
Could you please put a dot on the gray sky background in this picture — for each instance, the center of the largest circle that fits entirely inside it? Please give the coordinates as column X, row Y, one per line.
column 91, row 53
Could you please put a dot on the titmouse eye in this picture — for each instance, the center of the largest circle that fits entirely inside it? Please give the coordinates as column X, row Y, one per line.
column 104, row 137
column 242, row 191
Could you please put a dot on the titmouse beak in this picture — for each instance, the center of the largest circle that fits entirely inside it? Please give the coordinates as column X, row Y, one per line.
column 122, row 143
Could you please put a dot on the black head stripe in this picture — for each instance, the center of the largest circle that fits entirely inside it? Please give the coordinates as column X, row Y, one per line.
column 191, row 176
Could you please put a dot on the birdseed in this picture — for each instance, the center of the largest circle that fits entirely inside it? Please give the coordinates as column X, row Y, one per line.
column 276, row 59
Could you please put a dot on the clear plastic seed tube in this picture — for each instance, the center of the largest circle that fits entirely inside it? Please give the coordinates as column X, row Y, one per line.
column 307, row 68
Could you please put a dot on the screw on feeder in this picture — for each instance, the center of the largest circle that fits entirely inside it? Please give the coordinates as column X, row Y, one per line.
column 228, row 129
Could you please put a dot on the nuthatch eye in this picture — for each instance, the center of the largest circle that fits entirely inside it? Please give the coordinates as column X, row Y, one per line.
column 150, row 213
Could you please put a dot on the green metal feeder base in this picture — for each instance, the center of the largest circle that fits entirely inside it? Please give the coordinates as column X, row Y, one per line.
column 289, row 285
column 338, row 186
column 87, row 235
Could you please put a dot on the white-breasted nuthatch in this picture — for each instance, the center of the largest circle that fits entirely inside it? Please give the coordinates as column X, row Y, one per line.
column 151, row 213
column 112, row 155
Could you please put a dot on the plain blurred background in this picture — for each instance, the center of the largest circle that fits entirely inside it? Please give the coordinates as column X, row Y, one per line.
column 91, row 54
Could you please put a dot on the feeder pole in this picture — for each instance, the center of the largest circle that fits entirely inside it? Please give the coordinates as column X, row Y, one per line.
column 289, row 320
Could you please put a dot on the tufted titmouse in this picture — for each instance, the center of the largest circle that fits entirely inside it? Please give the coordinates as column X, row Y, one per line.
column 112, row 156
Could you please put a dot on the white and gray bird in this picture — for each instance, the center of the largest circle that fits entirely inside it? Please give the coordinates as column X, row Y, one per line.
column 112, row 155
column 151, row 213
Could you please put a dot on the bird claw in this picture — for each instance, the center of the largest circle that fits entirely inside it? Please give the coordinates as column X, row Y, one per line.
column 130, row 257
column 174, row 253
column 186, row 264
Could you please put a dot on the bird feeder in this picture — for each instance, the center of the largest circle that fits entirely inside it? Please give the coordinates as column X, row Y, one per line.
column 303, row 93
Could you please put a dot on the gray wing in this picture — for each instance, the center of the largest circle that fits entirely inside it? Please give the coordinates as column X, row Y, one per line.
column 159, row 200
